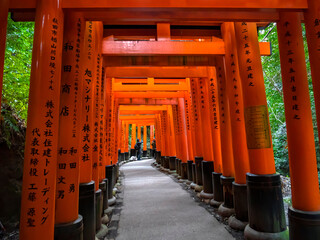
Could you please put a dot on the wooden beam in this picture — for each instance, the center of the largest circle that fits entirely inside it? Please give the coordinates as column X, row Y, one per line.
column 149, row 94
column 156, row 72
column 226, row 4
column 155, row 48
column 126, row 112
column 146, row 101
column 168, row 48
column 142, row 107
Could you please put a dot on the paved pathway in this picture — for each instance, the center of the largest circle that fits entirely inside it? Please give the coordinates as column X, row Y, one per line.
column 157, row 208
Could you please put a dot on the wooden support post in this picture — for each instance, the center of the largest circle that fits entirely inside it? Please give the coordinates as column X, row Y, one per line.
column 145, row 138
column 4, row 5
column 189, row 124
column 197, row 133
column 139, row 133
column 301, row 146
column 176, row 129
column 108, row 120
column 255, row 101
column 239, row 166
column 171, row 140
column 67, row 199
column 225, row 134
column 133, row 135
column 87, row 106
column 203, row 101
column 312, row 23
column 40, row 161
column 183, row 130
column 97, row 72
column 102, row 140
column 215, row 117
column 126, row 148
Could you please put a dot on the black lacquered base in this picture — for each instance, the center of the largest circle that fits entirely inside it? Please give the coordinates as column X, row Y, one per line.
column 133, row 153
column 265, row 207
column 99, row 206
column 69, row 231
column 87, row 200
column 217, row 187
column 183, row 171
column 144, row 153
column 166, row 162
column 189, row 170
column 207, row 169
column 303, row 225
column 198, row 164
column 126, row 156
column 110, row 177
column 172, row 163
column 103, row 186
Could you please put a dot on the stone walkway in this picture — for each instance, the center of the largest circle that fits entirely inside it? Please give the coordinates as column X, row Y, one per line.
column 157, row 208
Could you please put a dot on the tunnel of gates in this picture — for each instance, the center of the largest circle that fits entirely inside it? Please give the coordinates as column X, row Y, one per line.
column 190, row 73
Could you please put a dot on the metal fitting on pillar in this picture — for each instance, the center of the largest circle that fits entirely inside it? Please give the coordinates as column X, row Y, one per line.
column 87, row 199
column 265, row 208
column 207, row 169
column 227, row 208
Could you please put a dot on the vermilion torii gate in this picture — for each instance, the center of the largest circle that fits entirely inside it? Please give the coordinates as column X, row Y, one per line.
column 85, row 67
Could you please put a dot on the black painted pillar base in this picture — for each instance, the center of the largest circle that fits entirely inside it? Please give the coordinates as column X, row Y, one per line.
column 162, row 158
column 144, row 154
column 265, row 208
column 87, row 201
column 198, row 164
column 110, row 176
column 122, row 157
column 133, row 153
column 172, row 163
column 99, row 206
column 158, row 157
column 193, row 184
column 126, row 156
column 189, row 171
column 217, row 190
column 183, row 171
column 240, row 220
column 104, row 189
column 166, row 162
column 304, row 225
column 69, row 231
column 207, row 169
column 227, row 208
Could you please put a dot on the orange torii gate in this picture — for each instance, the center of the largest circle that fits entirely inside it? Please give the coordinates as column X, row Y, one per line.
column 239, row 53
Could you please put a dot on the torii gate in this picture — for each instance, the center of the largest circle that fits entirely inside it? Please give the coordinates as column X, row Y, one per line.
column 241, row 52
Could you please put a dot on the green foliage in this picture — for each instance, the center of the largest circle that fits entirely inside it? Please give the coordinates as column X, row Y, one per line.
column 17, row 66
column 273, row 84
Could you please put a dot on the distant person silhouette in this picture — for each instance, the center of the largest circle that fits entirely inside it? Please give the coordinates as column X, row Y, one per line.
column 137, row 147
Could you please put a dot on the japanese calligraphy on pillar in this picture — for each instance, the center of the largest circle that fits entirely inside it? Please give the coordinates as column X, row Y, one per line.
column 102, row 127
column 40, row 166
column 187, row 101
column 256, row 113
column 290, row 58
column 69, row 128
column 222, row 94
column 213, row 98
column 235, row 85
column 87, row 107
